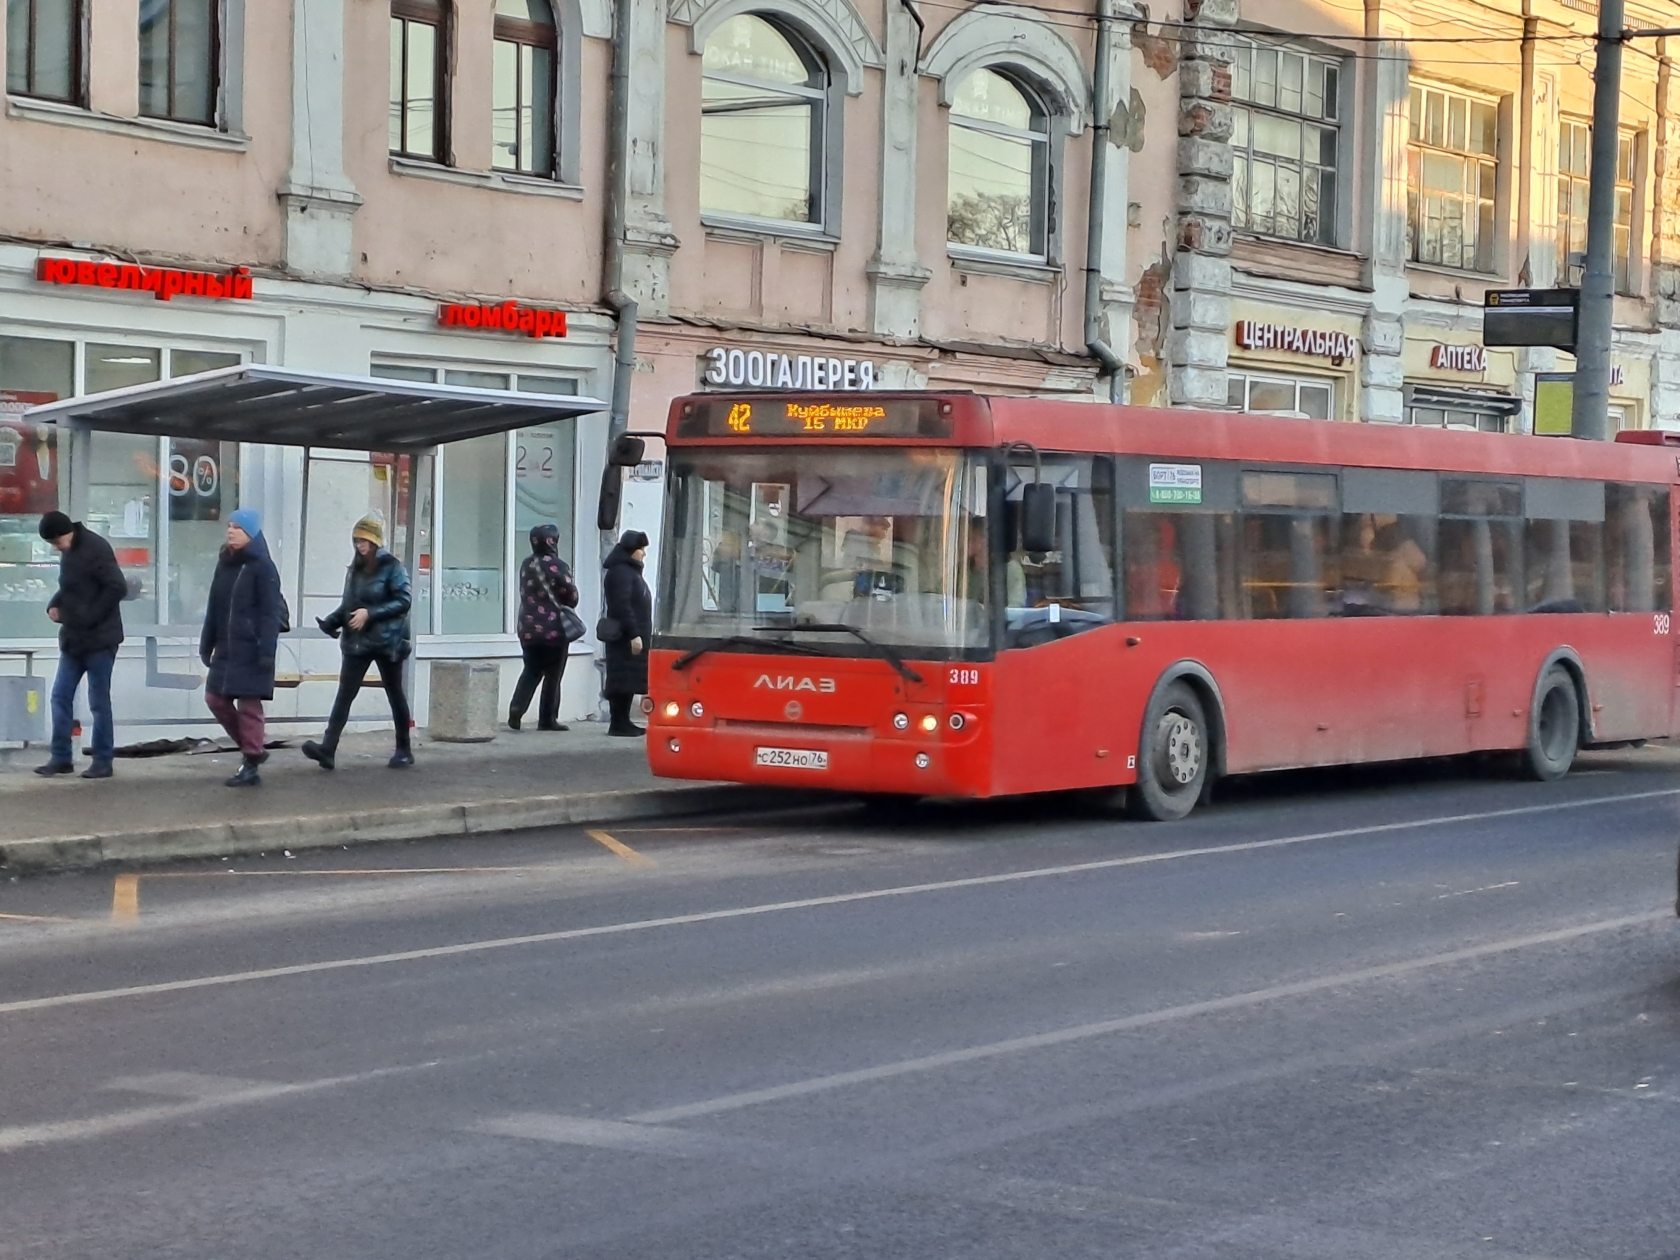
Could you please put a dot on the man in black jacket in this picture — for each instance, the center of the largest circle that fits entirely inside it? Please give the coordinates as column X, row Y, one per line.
column 88, row 610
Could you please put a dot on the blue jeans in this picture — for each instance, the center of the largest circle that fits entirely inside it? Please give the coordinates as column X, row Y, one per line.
column 97, row 666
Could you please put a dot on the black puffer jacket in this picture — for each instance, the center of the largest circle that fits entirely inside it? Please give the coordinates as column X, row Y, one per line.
column 630, row 603
column 382, row 589
column 242, row 623
column 91, row 589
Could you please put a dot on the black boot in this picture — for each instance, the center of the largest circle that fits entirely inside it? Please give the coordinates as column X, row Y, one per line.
column 402, row 759
column 619, row 708
column 513, row 719
column 319, row 754
column 247, row 776
column 56, row 767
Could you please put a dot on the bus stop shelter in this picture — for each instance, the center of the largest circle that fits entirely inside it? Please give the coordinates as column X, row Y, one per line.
column 279, row 406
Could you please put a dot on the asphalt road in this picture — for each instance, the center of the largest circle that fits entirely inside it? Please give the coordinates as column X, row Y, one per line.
column 1415, row 1013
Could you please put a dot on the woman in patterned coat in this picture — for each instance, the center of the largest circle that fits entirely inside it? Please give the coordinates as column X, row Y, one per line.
column 545, row 586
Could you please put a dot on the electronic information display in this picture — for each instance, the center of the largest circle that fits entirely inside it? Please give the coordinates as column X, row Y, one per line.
column 815, row 418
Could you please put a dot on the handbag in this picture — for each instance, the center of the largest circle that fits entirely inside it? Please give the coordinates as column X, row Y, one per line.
column 608, row 630
column 571, row 625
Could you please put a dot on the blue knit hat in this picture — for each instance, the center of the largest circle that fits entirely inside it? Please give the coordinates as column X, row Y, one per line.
column 248, row 519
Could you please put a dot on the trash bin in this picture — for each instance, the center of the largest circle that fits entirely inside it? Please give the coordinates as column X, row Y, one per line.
column 23, row 710
column 465, row 699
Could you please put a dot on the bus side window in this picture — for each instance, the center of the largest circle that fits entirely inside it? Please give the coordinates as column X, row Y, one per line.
column 1180, row 566
column 1481, row 547
column 1290, row 550
column 1388, row 564
column 1636, row 550
column 1563, row 545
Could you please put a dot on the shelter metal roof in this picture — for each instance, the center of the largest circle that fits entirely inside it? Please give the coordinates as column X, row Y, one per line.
column 286, row 407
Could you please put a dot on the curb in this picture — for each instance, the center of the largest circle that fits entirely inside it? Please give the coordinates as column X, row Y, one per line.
column 414, row 822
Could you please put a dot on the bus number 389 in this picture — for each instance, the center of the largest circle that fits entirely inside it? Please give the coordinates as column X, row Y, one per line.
column 965, row 678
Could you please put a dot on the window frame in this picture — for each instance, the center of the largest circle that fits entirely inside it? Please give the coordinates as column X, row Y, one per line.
column 77, row 70
column 1622, row 260
column 213, row 68
column 1419, row 148
column 1044, row 164
column 1330, row 234
column 827, row 142
column 439, row 15
column 525, row 34
column 1250, row 376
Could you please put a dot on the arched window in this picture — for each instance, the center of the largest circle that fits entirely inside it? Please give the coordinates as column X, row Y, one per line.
column 526, row 53
column 44, row 49
column 761, row 122
column 419, row 85
column 998, row 191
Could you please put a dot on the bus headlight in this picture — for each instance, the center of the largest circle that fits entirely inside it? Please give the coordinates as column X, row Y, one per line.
column 958, row 721
column 930, row 723
column 697, row 709
column 672, row 708
column 901, row 721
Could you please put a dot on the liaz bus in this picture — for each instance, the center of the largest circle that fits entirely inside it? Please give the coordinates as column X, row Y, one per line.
column 953, row 595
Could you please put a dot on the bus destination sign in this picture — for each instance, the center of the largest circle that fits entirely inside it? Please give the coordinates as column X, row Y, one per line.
column 814, row 418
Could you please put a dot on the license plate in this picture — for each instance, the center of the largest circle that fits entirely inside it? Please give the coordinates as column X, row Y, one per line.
column 792, row 758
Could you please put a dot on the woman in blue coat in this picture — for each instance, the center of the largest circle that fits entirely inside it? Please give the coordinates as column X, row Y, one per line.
column 241, row 634
column 371, row 624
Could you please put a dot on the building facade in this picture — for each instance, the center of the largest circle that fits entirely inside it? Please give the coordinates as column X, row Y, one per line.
column 1301, row 206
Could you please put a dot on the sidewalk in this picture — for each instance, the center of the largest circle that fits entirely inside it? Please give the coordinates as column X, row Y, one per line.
column 176, row 806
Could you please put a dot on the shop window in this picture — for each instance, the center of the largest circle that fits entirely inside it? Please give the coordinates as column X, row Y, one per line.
column 476, row 380
column 404, row 372
column 1636, row 547
column 998, row 177
column 179, row 51
column 544, row 482
column 419, row 79
column 44, row 49
column 525, row 55
column 474, row 529
column 32, row 371
column 1574, row 170
column 122, row 498
column 1311, row 397
column 192, row 362
column 117, row 367
column 566, row 386
column 1284, row 141
column 1452, row 167
column 1481, row 557
column 762, row 116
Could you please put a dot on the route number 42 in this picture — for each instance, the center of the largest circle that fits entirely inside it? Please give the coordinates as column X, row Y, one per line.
column 1659, row 623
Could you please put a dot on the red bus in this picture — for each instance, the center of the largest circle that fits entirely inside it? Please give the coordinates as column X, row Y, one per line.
column 956, row 595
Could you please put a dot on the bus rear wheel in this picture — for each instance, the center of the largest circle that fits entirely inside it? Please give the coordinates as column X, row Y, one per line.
column 1172, row 756
column 1554, row 727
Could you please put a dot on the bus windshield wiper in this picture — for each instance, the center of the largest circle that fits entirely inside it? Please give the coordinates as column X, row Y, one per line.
column 742, row 640
column 881, row 649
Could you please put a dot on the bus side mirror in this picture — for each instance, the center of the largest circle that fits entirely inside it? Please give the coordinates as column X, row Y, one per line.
column 1038, row 518
column 612, row 496
column 626, row 451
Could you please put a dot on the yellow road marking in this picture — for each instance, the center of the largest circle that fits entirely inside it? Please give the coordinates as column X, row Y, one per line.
column 619, row 847
column 125, row 899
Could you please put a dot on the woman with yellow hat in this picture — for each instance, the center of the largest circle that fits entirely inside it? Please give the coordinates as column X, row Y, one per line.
column 371, row 624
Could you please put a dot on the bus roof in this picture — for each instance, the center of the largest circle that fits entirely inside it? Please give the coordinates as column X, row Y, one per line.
column 981, row 421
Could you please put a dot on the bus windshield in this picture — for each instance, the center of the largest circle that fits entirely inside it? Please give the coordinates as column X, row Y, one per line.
column 890, row 542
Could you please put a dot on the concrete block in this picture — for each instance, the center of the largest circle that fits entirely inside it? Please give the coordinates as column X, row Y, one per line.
column 1201, row 271
column 1197, row 348
column 1195, row 308
column 1201, row 194
column 1208, row 119
column 1381, row 406
column 1382, row 334
column 465, row 701
column 1200, row 156
column 1197, row 387
column 1382, row 371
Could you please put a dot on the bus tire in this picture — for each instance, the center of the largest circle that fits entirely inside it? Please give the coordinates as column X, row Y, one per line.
column 1554, row 727
column 1173, row 756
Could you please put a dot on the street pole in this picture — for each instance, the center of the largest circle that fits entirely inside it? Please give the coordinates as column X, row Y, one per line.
column 1595, row 316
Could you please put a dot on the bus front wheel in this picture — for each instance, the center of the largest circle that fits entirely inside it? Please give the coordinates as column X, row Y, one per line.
column 1554, row 727
column 1173, row 758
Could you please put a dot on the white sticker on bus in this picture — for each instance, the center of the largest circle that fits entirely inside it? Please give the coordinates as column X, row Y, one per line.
column 1175, row 483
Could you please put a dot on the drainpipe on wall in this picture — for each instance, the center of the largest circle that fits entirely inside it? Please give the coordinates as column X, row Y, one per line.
column 618, row 162
column 1111, row 363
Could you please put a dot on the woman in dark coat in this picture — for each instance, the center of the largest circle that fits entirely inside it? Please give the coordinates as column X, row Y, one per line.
column 630, row 610
column 545, row 587
column 241, row 634
column 371, row 624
